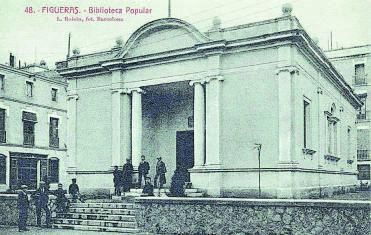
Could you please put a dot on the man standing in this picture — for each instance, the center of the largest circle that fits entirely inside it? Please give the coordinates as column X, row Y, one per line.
column 128, row 175
column 41, row 200
column 23, row 205
column 160, row 178
column 61, row 201
column 143, row 170
column 74, row 190
column 117, row 180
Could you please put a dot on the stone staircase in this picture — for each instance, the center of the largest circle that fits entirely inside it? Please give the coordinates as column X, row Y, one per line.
column 189, row 192
column 106, row 216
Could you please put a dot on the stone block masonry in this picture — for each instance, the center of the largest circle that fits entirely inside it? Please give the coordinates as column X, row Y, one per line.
column 252, row 216
column 9, row 211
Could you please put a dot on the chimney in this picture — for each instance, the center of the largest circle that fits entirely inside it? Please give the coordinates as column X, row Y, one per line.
column 11, row 60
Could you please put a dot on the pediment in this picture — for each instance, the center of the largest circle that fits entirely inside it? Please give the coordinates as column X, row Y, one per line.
column 161, row 36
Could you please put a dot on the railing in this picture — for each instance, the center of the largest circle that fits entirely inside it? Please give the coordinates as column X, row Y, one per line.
column 2, row 136
column 363, row 116
column 29, row 139
column 54, row 142
column 360, row 79
column 363, row 155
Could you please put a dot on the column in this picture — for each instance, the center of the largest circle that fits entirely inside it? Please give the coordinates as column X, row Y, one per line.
column 71, row 130
column 116, row 127
column 136, row 124
column 199, row 123
column 126, row 126
column 213, row 120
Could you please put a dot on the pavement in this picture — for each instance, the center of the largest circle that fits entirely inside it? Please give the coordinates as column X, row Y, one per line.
column 5, row 230
column 361, row 195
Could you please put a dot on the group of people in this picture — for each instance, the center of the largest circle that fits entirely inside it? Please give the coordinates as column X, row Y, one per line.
column 123, row 180
column 41, row 200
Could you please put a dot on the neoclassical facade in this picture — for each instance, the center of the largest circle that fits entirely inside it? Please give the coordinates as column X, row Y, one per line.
column 213, row 104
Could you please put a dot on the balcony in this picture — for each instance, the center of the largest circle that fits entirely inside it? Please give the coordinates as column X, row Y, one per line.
column 2, row 136
column 54, row 142
column 363, row 116
column 29, row 139
column 360, row 80
column 363, row 155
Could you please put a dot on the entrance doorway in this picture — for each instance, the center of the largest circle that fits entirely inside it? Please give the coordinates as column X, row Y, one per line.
column 25, row 169
column 185, row 152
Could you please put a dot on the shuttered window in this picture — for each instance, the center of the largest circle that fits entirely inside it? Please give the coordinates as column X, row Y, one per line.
column 53, row 170
column 2, row 169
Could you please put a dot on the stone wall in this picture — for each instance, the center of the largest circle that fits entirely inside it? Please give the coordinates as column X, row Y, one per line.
column 9, row 211
column 252, row 216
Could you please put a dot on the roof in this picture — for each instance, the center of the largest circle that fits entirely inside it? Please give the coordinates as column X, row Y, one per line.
column 48, row 76
column 349, row 51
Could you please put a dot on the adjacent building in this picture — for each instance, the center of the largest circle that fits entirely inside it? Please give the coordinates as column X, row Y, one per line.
column 355, row 65
column 242, row 110
column 32, row 126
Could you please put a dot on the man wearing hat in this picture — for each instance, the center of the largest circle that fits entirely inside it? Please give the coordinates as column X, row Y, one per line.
column 23, row 205
column 41, row 197
column 143, row 170
column 127, row 171
column 160, row 178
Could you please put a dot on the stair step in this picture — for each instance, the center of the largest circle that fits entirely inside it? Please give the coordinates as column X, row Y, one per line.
column 110, row 211
column 103, row 223
column 103, row 205
column 96, row 228
column 191, row 190
column 198, row 194
column 108, row 217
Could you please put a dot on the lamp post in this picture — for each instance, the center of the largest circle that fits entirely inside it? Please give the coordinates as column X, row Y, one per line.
column 259, row 147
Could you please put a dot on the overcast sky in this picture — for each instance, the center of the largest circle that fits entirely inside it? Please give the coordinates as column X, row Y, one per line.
column 33, row 37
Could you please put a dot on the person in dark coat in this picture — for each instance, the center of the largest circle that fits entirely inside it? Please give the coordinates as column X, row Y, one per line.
column 143, row 170
column 41, row 197
column 160, row 178
column 23, row 205
column 127, row 171
column 74, row 190
column 148, row 188
column 117, row 180
column 61, row 200
column 177, row 183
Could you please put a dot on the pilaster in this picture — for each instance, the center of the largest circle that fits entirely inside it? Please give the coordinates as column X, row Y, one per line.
column 72, row 99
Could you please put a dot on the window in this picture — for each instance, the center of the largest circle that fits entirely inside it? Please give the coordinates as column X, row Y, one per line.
column 359, row 74
column 349, row 143
column 29, row 120
column 363, row 144
column 332, row 142
column 2, row 126
column 307, row 125
column 53, row 170
column 29, row 88
column 2, row 169
column 53, row 132
column 363, row 172
column 54, row 94
column 362, row 112
column 2, row 82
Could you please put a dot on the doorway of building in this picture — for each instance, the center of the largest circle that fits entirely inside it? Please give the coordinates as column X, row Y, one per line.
column 185, row 152
column 26, row 168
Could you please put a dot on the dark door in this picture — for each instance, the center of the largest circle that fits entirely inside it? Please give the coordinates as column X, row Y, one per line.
column 23, row 169
column 185, row 151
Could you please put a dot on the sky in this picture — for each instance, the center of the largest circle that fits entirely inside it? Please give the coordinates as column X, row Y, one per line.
column 39, row 36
